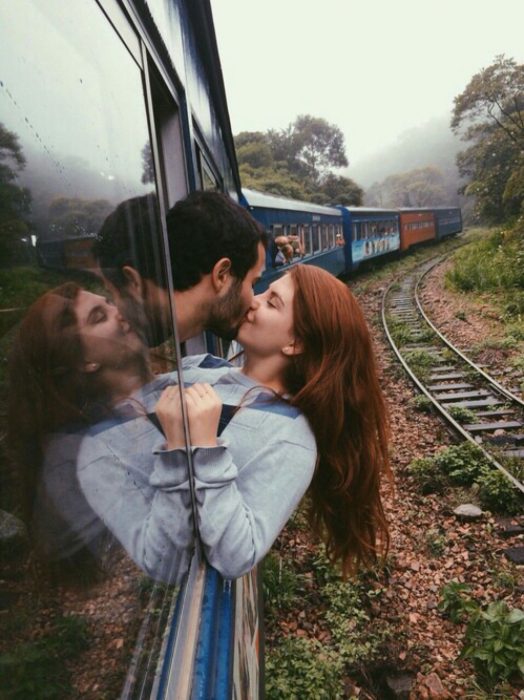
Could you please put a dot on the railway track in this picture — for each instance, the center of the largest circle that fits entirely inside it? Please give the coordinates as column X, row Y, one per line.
column 474, row 403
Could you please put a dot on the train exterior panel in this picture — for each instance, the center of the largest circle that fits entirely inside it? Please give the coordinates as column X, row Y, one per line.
column 448, row 221
column 369, row 233
column 297, row 232
column 416, row 226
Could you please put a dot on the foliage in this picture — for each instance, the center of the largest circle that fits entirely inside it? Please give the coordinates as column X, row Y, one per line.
column 495, row 262
column 296, row 162
column 75, row 216
column 280, row 584
column 428, row 476
column 355, row 638
column 497, row 493
column 493, row 641
column 421, row 187
column 15, row 201
column 422, row 403
column 302, row 668
column 36, row 669
column 455, row 601
column 435, row 543
column 462, row 414
column 489, row 116
column 493, row 636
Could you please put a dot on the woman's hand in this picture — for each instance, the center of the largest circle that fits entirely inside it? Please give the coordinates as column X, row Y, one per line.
column 203, row 412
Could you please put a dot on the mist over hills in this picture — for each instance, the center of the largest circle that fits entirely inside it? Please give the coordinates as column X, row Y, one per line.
column 431, row 144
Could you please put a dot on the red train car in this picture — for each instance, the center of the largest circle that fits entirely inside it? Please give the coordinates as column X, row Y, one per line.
column 416, row 226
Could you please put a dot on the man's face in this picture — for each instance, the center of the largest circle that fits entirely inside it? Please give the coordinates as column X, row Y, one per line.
column 229, row 309
column 148, row 314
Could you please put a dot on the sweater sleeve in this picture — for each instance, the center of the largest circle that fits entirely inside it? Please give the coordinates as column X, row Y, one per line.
column 153, row 524
column 243, row 508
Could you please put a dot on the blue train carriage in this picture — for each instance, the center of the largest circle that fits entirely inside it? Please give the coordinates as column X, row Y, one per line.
column 298, row 232
column 448, row 221
column 369, row 233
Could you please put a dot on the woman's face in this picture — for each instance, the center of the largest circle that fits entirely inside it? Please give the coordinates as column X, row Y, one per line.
column 107, row 338
column 268, row 325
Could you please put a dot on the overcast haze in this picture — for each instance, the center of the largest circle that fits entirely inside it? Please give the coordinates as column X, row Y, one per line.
column 374, row 68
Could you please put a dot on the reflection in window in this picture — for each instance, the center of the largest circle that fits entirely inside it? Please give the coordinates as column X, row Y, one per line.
column 73, row 116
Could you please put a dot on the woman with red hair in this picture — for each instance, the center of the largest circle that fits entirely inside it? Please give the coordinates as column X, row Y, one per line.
column 309, row 417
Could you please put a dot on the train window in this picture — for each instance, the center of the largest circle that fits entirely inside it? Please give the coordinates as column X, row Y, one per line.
column 169, row 139
column 324, row 236
column 315, row 238
column 78, row 162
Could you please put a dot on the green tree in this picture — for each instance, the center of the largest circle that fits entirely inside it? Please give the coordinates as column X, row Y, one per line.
column 74, row 216
column 422, row 187
column 310, row 146
column 14, row 200
column 337, row 189
column 489, row 115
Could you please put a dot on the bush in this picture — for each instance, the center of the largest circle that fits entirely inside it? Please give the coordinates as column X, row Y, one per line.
column 426, row 473
column 303, row 668
column 422, row 403
column 280, row 584
column 455, row 601
column 37, row 670
column 497, row 493
column 461, row 463
column 493, row 642
column 462, row 414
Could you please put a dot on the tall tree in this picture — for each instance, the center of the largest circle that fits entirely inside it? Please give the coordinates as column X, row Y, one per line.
column 489, row 115
column 14, row 200
column 310, row 146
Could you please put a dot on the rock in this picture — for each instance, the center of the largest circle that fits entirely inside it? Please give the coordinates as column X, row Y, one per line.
column 435, row 687
column 14, row 539
column 468, row 511
column 400, row 685
column 515, row 554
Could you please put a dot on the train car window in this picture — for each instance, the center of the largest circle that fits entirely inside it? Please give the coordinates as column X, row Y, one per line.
column 80, row 218
column 169, row 139
column 315, row 238
column 324, row 234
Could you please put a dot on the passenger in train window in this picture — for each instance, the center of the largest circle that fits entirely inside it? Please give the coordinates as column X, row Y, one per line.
column 310, row 418
column 217, row 254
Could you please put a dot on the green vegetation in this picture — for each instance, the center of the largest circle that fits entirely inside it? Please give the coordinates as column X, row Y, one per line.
column 38, row 669
column 465, row 465
column 488, row 116
column 493, row 636
column 296, row 162
column 493, row 264
column 300, row 667
column 462, row 414
column 422, row 403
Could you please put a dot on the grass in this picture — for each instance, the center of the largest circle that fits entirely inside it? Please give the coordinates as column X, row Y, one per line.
column 37, row 669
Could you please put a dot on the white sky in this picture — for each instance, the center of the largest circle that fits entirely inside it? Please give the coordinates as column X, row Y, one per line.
column 375, row 68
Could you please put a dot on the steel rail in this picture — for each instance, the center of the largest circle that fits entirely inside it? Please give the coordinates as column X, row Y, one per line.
column 498, row 387
column 456, row 426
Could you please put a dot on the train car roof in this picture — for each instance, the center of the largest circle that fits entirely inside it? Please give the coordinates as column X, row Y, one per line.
column 371, row 210
column 271, row 201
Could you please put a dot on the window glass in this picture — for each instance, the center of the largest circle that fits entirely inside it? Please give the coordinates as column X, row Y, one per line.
column 76, row 168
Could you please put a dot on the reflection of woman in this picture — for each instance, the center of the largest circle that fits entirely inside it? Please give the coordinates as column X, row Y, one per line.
column 311, row 416
column 73, row 355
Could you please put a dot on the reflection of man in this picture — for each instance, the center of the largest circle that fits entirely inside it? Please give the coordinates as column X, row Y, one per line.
column 216, row 256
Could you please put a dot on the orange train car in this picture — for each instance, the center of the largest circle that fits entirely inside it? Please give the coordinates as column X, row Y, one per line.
column 416, row 226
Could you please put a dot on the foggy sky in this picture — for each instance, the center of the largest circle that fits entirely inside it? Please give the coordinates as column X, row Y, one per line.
column 375, row 68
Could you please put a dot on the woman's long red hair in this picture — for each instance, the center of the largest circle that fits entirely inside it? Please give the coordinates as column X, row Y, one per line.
column 46, row 389
column 334, row 382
